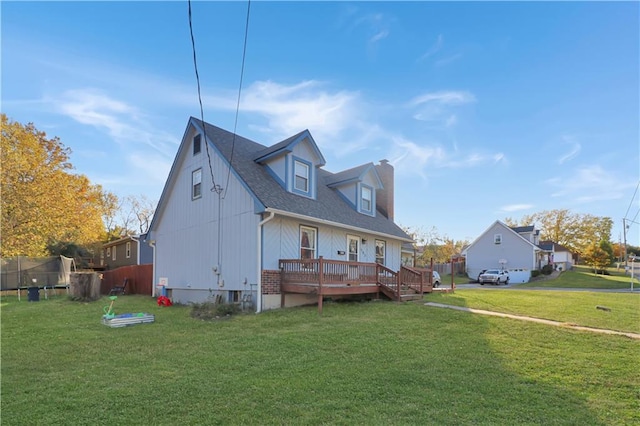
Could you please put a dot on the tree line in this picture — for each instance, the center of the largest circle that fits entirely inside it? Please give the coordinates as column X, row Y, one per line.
column 47, row 209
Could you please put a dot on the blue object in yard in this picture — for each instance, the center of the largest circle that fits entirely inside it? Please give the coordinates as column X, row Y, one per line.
column 34, row 294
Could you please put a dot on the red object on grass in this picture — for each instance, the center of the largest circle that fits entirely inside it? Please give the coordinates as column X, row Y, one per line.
column 164, row 301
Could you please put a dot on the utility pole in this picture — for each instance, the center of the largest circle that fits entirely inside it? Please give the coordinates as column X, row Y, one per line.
column 624, row 232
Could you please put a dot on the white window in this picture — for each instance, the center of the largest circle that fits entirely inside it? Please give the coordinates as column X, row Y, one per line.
column 366, row 199
column 301, row 176
column 196, row 184
column 128, row 250
column 113, row 253
column 308, row 242
column 497, row 239
column 196, row 144
column 381, row 248
column 108, row 252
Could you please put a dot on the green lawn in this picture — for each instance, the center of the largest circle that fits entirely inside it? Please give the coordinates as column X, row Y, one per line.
column 583, row 277
column 374, row 363
column 574, row 307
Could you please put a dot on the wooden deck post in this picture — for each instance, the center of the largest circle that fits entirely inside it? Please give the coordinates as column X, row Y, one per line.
column 281, row 282
column 398, row 284
column 453, row 284
column 320, row 282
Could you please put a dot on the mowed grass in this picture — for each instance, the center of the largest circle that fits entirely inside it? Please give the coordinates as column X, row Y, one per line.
column 583, row 277
column 573, row 307
column 374, row 363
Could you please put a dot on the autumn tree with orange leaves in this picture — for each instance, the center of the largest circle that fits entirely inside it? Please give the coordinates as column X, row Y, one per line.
column 43, row 203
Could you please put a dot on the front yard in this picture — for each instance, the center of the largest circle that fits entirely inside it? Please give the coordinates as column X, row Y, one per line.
column 358, row 363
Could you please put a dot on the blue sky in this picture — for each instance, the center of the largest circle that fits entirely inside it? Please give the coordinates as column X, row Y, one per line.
column 486, row 110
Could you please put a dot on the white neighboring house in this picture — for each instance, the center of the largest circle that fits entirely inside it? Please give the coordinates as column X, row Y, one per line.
column 557, row 255
column 272, row 203
column 501, row 247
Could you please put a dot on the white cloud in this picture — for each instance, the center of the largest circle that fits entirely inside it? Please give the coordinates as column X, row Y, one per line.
column 435, row 48
column 379, row 36
column 438, row 107
column 123, row 122
column 589, row 184
column 451, row 97
column 574, row 149
column 448, row 59
column 516, row 207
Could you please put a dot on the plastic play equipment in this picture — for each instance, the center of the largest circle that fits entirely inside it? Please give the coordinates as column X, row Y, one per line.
column 112, row 320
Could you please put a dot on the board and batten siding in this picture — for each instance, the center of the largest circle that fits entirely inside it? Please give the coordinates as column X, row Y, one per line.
column 485, row 254
column 281, row 240
column 187, row 231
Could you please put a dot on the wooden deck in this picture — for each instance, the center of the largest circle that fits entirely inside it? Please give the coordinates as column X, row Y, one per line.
column 323, row 277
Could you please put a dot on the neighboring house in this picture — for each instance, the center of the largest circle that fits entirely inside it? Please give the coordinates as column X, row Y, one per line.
column 408, row 254
column 557, row 255
column 234, row 213
column 502, row 247
column 129, row 250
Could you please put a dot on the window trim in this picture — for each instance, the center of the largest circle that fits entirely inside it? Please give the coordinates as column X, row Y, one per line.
column 384, row 251
column 113, row 253
column 360, row 199
column 197, row 142
column 314, row 247
column 497, row 238
column 108, row 252
column 127, row 250
column 196, row 185
column 310, row 177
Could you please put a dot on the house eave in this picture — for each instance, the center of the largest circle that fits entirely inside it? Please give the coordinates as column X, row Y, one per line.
column 335, row 224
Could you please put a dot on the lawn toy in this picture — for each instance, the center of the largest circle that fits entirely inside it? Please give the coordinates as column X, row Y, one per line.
column 112, row 320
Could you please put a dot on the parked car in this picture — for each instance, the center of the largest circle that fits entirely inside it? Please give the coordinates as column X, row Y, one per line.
column 494, row 276
column 436, row 279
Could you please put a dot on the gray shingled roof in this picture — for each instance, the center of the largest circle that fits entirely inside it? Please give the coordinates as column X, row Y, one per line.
column 349, row 175
column 329, row 205
column 519, row 229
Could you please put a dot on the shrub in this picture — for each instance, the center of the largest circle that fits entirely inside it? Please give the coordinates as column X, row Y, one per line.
column 209, row 311
column 547, row 269
column 535, row 273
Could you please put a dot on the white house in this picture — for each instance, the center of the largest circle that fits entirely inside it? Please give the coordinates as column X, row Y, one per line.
column 233, row 210
column 501, row 247
column 557, row 255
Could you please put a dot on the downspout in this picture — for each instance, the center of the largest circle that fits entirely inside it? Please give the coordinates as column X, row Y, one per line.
column 137, row 249
column 152, row 243
column 259, row 295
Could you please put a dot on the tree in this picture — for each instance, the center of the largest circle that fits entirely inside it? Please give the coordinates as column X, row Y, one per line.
column 596, row 257
column 434, row 245
column 43, row 203
column 572, row 230
column 128, row 216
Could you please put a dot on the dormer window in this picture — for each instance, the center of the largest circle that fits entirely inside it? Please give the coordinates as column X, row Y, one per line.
column 301, row 176
column 366, row 199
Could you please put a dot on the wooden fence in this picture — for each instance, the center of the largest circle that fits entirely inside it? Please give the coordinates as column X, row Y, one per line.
column 140, row 279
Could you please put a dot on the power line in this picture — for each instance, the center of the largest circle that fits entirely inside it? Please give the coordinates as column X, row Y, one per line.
column 235, row 124
column 632, row 198
column 215, row 187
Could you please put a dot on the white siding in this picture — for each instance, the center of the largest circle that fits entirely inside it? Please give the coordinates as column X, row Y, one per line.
column 281, row 241
column 187, row 232
column 484, row 254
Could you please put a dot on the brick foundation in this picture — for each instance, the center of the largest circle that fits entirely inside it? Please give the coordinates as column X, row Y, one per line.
column 270, row 282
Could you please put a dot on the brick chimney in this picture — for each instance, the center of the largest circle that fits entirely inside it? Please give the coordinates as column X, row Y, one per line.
column 384, row 196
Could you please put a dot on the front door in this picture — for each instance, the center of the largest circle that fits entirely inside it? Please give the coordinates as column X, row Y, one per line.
column 353, row 249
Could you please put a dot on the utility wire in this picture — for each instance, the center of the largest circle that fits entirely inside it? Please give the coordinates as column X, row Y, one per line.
column 215, row 187
column 632, row 198
column 235, row 124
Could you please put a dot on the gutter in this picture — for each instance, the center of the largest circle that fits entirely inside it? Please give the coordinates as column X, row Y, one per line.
column 259, row 295
column 335, row 224
column 152, row 244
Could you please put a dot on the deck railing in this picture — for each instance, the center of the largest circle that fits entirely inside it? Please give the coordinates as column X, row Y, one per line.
column 322, row 271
